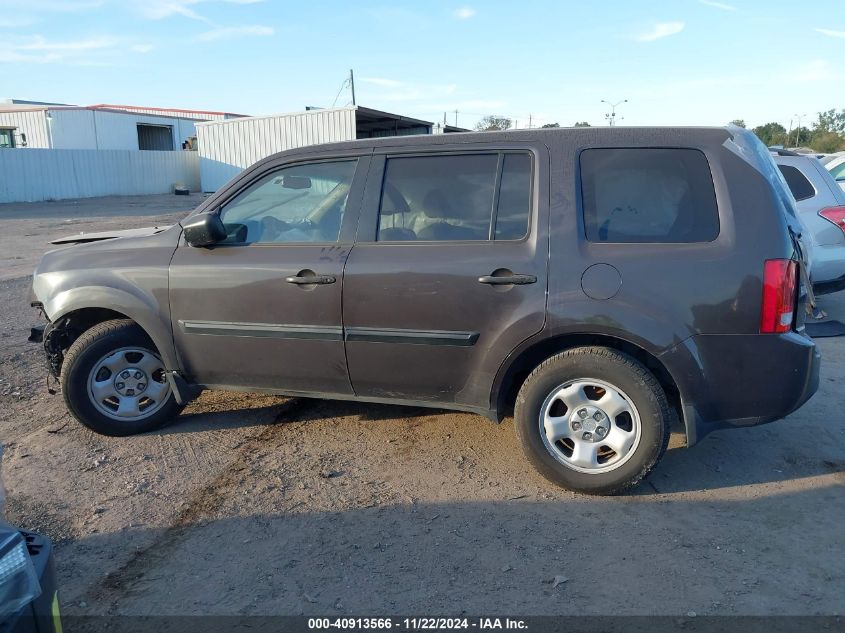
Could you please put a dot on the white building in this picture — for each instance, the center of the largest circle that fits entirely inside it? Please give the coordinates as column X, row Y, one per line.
column 76, row 152
column 226, row 147
column 56, row 126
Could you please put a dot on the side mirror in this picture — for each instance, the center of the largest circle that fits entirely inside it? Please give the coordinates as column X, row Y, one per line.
column 204, row 229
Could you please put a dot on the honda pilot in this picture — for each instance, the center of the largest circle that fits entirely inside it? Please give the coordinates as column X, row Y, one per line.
column 600, row 285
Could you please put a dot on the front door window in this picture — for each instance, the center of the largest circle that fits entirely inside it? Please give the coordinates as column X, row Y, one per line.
column 302, row 203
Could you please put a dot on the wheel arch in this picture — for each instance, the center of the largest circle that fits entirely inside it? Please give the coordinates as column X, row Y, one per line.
column 90, row 306
column 517, row 367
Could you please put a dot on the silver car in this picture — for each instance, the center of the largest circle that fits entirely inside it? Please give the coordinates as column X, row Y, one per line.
column 821, row 207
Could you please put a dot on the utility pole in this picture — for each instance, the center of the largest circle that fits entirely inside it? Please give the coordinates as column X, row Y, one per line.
column 456, row 118
column 530, row 118
column 611, row 116
column 798, row 129
column 444, row 119
column 352, row 85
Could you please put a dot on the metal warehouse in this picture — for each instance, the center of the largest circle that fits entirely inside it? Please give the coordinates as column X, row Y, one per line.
column 227, row 147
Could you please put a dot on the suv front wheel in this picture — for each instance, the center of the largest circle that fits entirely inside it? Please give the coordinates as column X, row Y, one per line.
column 113, row 381
column 593, row 420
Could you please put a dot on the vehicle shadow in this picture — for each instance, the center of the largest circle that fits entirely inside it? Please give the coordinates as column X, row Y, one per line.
column 291, row 410
column 699, row 553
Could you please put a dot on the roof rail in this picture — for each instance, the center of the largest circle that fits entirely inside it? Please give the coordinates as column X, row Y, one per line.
column 783, row 152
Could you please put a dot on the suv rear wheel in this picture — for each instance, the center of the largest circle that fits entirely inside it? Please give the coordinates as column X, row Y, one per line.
column 593, row 420
column 113, row 381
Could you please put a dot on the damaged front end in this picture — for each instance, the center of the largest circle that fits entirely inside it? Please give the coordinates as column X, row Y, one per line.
column 55, row 337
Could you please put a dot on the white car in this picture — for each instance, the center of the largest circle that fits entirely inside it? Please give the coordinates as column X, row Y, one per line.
column 836, row 167
column 821, row 207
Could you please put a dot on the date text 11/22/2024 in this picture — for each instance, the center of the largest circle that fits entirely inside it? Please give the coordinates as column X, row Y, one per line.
column 416, row 624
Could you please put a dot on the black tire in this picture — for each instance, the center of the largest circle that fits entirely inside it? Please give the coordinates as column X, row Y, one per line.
column 79, row 361
column 617, row 369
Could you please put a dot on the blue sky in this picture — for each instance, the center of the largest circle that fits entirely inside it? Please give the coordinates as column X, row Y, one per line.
column 677, row 62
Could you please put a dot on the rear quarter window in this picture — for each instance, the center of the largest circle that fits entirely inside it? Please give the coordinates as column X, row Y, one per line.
column 648, row 195
column 801, row 188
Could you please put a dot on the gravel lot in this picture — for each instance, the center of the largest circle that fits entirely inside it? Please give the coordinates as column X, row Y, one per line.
column 253, row 504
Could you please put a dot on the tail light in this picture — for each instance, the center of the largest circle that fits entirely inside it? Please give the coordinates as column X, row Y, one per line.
column 835, row 215
column 780, row 279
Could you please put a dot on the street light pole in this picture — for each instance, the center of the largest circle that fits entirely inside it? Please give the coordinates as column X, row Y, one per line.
column 611, row 116
column 798, row 129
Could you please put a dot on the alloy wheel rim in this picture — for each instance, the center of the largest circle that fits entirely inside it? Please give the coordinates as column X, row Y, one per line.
column 590, row 425
column 128, row 384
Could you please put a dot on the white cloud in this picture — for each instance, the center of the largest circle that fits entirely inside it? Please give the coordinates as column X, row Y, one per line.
column 660, row 30
column 39, row 50
column 160, row 9
column 39, row 43
column 234, row 32
column 93, row 51
column 16, row 22
column 718, row 5
column 464, row 13
column 831, row 33
column 54, row 6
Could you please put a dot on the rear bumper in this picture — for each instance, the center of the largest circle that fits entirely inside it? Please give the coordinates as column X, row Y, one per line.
column 742, row 380
column 828, row 287
column 828, row 271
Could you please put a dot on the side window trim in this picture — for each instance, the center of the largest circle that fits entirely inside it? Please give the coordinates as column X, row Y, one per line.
column 497, row 191
column 379, row 168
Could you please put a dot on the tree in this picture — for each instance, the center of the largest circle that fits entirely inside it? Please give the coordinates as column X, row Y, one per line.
column 550, row 125
column 831, row 121
column 771, row 134
column 827, row 142
column 581, row 124
column 738, row 122
column 493, row 123
column 800, row 137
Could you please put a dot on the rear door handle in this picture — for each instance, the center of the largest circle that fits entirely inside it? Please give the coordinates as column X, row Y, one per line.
column 311, row 279
column 508, row 280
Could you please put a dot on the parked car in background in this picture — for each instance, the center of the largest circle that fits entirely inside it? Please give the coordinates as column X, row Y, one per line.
column 598, row 282
column 831, row 157
column 29, row 599
column 821, row 208
column 836, row 167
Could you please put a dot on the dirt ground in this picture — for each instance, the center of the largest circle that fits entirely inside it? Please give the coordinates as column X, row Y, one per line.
column 252, row 504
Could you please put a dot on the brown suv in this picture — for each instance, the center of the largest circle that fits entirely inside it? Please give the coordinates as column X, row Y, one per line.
column 600, row 282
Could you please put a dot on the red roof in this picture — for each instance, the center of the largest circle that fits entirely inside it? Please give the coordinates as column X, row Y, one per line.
column 112, row 106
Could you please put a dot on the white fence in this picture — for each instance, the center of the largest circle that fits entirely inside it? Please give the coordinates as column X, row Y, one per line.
column 31, row 175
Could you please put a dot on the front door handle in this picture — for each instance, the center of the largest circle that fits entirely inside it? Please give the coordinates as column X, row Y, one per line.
column 310, row 279
column 508, row 280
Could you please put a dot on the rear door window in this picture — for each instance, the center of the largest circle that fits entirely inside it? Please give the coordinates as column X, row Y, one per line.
column 648, row 195
column 801, row 188
column 456, row 197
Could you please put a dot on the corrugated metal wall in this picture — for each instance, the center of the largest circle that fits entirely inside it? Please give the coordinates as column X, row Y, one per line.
column 226, row 148
column 54, row 174
column 33, row 123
